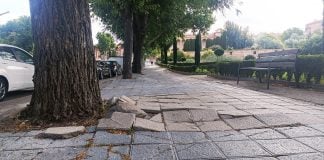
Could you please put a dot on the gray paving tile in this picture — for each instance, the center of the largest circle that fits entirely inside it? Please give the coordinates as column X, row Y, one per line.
column 285, row 146
column 28, row 143
column 300, row 131
column 79, row 141
column 96, row 153
column 262, row 134
column 60, row 153
column 245, row 123
column 188, row 137
column 151, row 138
column 19, row 154
column 306, row 118
column 105, row 138
column 213, row 126
column 204, row 115
column 119, row 153
column 226, row 136
column 156, row 151
column 276, row 119
column 319, row 127
column 182, row 126
column 308, row 156
column 205, row 150
column 241, row 149
column 258, row 158
column 314, row 142
column 177, row 116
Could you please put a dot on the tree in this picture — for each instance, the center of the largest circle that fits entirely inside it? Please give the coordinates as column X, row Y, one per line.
column 218, row 51
column 175, row 51
column 293, row 38
column 106, row 44
column 268, row 41
column 313, row 45
column 234, row 36
column 197, row 48
column 65, row 82
column 18, row 33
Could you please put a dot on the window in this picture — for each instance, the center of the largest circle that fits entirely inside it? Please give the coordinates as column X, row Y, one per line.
column 6, row 54
column 23, row 56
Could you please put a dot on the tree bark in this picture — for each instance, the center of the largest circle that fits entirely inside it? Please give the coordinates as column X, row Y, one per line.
column 165, row 53
column 197, row 48
column 128, row 43
column 65, row 80
column 175, row 51
column 139, row 29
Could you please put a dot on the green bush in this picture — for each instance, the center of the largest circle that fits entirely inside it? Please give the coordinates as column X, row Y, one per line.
column 311, row 66
column 218, row 50
column 189, row 45
column 180, row 56
column 249, row 57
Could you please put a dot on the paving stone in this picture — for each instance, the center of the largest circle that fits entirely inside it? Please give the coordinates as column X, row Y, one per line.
column 234, row 113
column 226, row 136
column 63, row 132
column 157, row 118
column 127, row 99
column 169, row 100
column 91, row 129
column 27, row 143
column 276, row 119
column 33, row 133
column 4, row 142
column 181, row 127
column 300, row 131
column 81, row 140
column 177, row 116
column 118, row 120
column 204, row 115
column 126, row 107
column 60, row 153
column 241, row 149
column 96, row 153
column 150, row 107
column 284, row 146
column 141, row 137
column 119, row 153
column 308, row 156
column 12, row 134
column 258, row 158
column 205, row 150
column 261, row 111
column 314, row 142
column 262, row 134
column 245, row 123
column 105, row 138
column 213, row 126
column 19, row 154
column 287, row 111
column 144, row 124
column 172, row 106
column 155, row 151
column 188, row 137
column 319, row 127
column 306, row 118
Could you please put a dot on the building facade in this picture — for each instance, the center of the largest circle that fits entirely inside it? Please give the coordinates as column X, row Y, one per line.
column 313, row 27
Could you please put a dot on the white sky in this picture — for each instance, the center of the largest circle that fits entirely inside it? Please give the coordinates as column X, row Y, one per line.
column 259, row 15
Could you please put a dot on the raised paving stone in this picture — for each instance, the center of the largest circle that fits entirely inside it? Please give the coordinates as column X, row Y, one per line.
column 308, row 156
column 96, row 153
column 300, row 131
column 314, row 142
column 284, row 146
column 241, row 149
column 205, row 150
column 118, row 120
column 155, row 151
column 177, row 116
column 81, row 140
column 213, row 126
column 188, row 137
column 157, row 118
column 245, row 123
column 151, row 138
column 149, row 107
column 144, row 124
column 234, row 113
column 226, row 136
column 60, row 153
column 105, row 138
column 203, row 115
column 181, row 127
column 63, row 132
column 276, row 120
column 262, row 134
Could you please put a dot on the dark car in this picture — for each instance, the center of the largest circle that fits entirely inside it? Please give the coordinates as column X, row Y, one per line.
column 103, row 70
column 114, row 67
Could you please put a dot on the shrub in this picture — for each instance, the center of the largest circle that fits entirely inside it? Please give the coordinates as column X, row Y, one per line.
column 311, row 66
column 249, row 57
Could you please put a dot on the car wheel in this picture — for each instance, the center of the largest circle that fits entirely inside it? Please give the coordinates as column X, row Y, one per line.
column 3, row 88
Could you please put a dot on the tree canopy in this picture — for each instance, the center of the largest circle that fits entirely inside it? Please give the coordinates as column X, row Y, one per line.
column 293, row 38
column 106, row 44
column 268, row 41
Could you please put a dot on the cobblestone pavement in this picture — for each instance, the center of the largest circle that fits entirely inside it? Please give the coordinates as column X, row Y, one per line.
column 202, row 119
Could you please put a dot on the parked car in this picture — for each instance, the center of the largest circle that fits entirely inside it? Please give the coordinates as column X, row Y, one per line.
column 103, row 70
column 118, row 59
column 115, row 67
column 16, row 69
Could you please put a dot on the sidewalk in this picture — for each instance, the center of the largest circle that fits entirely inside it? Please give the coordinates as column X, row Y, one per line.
column 203, row 120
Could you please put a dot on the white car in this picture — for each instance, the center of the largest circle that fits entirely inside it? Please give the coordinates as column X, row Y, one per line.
column 16, row 69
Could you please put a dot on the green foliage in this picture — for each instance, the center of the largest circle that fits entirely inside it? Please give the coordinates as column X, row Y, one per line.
column 106, row 44
column 310, row 65
column 236, row 37
column 216, row 41
column 180, row 56
column 218, row 51
column 314, row 45
column 268, row 41
column 293, row 38
column 207, row 53
column 18, row 33
column 249, row 57
column 189, row 45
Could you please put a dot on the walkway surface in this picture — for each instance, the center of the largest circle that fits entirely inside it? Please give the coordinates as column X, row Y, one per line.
column 203, row 120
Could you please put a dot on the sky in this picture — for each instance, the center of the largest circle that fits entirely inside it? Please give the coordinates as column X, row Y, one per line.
column 259, row 15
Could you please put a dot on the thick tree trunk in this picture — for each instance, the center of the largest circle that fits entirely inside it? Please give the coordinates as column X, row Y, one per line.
column 65, row 81
column 197, row 48
column 165, row 53
column 128, row 43
column 139, row 26
column 175, row 51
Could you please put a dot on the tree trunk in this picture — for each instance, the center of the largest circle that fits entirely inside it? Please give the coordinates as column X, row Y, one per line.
column 197, row 48
column 165, row 52
column 128, row 43
column 139, row 26
column 65, row 80
column 175, row 49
